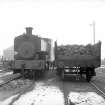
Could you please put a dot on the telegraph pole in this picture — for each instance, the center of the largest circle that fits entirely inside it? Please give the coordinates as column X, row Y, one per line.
column 94, row 31
column 93, row 24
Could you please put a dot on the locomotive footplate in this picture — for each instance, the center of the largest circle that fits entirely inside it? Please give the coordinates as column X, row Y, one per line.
column 30, row 64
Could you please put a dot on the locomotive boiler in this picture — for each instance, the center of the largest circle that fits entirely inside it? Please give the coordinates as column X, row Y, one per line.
column 31, row 53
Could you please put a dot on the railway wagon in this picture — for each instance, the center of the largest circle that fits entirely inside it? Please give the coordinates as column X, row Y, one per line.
column 77, row 60
column 31, row 54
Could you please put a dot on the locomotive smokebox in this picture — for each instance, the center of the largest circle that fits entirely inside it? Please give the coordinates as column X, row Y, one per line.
column 29, row 31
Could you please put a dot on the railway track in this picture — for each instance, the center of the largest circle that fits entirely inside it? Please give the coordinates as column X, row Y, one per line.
column 10, row 78
column 99, row 90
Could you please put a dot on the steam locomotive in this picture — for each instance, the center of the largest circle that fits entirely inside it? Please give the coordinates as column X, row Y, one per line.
column 31, row 54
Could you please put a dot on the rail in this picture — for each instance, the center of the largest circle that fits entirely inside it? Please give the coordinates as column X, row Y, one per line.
column 98, row 89
column 10, row 78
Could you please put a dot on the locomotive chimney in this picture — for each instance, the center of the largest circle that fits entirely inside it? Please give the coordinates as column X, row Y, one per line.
column 29, row 31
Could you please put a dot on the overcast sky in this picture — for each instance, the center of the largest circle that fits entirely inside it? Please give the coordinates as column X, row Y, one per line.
column 67, row 21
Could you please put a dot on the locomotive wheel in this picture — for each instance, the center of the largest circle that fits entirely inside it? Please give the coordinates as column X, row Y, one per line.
column 26, row 74
column 31, row 74
column 23, row 73
column 16, row 71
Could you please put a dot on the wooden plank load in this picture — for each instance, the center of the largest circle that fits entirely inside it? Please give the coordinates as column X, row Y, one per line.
column 82, row 55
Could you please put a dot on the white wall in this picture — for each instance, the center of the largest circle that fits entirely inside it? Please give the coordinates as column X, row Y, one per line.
column 43, row 45
column 8, row 54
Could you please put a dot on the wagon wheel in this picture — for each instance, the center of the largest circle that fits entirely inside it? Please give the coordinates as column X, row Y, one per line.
column 62, row 75
column 58, row 71
column 88, row 76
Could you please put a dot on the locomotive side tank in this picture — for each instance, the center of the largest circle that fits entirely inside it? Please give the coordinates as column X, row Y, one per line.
column 31, row 53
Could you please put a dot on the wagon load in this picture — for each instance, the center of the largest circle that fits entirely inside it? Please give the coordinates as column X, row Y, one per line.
column 70, row 50
column 79, row 54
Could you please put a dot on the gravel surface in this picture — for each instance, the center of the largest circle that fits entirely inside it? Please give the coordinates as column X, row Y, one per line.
column 2, row 74
column 82, row 98
column 14, row 87
column 42, row 95
column 50, row 90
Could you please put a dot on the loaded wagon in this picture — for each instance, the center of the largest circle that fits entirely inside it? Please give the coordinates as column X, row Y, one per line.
column 77, row 60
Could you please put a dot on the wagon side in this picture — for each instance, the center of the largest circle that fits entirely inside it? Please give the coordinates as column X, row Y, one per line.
column 79, row 62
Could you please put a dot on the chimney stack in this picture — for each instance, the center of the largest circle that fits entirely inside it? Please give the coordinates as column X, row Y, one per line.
column 29, row 31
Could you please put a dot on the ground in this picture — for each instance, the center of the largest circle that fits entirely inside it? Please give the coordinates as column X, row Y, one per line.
column 50, row 90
